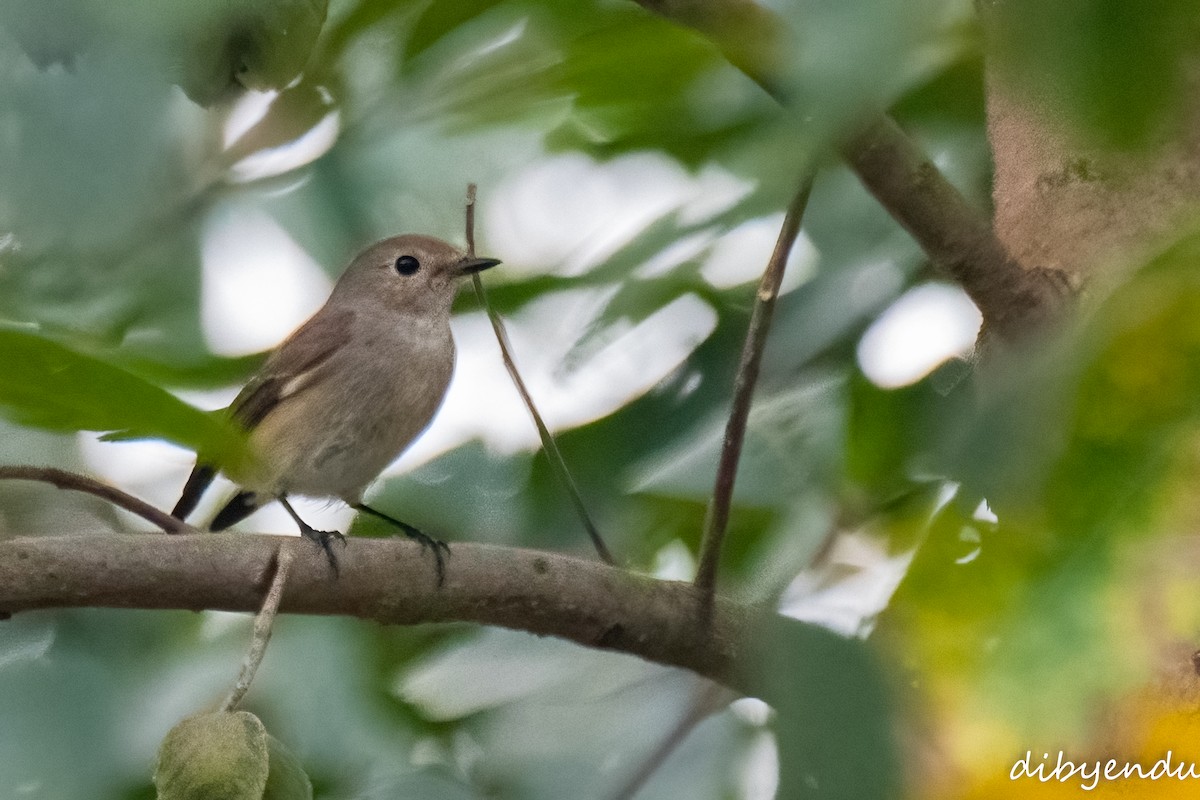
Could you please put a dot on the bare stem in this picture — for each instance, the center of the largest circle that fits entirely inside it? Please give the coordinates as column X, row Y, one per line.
column 557, row 463
column 717, row 520
column 264, row 622
column 82, row 483
column 472, row 189
column 706, row 700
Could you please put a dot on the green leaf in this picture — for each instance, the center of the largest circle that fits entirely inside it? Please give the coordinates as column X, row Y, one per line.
column 1116, row 69
column 218, row 756
column 834, row 712
column 286, row 779
column 892, row 433
column 442, row 18
column 49, row 386
column 261, row 44
column 1082, row 451
column 641, row 81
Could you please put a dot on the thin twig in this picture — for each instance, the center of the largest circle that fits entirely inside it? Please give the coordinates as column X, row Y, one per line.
column 717, row 519
column 471, row 191
column 557, row 463
column 707, row 699
column 264, row 622
column 82, row 483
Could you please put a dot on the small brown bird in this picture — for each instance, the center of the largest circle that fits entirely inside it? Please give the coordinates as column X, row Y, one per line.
column 346, row 393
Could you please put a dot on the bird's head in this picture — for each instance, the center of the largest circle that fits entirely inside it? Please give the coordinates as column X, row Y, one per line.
column 410, row 273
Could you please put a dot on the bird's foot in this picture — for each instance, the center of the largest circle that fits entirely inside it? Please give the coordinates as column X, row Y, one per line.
column 324, row 539
column 440, row 549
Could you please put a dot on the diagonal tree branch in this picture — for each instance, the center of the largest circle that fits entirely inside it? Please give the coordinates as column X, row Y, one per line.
column 389, row 581
column 707, row 699
column 717, row 519
column 63, row 479
column 1014, row 301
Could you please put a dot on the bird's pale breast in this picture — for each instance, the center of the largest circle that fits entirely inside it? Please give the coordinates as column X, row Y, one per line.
column 387, row 388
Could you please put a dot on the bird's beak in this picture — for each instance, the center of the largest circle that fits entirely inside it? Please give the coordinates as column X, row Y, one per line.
column 471, row 264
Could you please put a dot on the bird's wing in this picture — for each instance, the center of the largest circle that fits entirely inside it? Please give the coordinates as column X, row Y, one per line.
column 289, row 370
column 292, row 367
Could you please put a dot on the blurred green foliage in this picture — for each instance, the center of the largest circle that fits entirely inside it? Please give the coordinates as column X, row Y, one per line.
column 49, row 386
column 114, row 163
column 1118, row 70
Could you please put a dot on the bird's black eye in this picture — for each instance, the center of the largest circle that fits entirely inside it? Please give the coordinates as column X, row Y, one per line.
column 407, row 265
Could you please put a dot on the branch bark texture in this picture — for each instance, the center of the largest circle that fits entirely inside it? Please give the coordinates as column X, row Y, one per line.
column 1067, row 198
column 387, row 580
column 1015, row 299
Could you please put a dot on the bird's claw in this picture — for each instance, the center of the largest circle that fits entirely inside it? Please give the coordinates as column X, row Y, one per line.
column 323, row 538
column 440, row 549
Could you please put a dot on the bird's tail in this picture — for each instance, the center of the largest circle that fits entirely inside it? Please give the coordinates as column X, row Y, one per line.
column 241, row 506
column 197, row 482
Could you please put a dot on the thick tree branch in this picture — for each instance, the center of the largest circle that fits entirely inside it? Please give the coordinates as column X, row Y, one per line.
column 956, row 237
column 387, row 580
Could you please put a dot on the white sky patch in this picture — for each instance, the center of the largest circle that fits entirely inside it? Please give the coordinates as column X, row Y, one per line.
column 209, row 399
column 569, row 389
column 751, row 710
column 712, row 191
column 258, row 285
column 148, row 468
column 308, row 147
column 759, row 772
column 921, row 330
column 152, row 469
column 251, row 109
column 740, row 255
column 984, row 513
column 156, row 471
column 568, row 213
column 247, row 112
column 867, row 576
column 674, row 562
column 854, row 583
column 972, row 537
column 674, row 254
